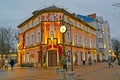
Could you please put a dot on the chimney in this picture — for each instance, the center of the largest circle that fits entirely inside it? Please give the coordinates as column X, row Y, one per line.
column 92, row 15
column 74, row 14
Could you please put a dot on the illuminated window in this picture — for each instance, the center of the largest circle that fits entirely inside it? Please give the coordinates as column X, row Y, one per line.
column 51, row 31
column 27, row 57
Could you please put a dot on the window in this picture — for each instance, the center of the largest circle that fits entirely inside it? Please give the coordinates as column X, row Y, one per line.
column 76, row 39
column 27, row 57
column 30, row 24
column 68, row 37
column 35, row 21
column 94, row 44
column 91, row 43
column 20, row 30
column 40, row 19
column 51, row 17
column 31, row 39
column 69, row 56
column 81, row 55
column 76, row 56
column 80, row 40
column 51, row 28
column 51, row 31
column 38, row 35
column 27, row 40
column 85, row 42
column 86, row 56
column 88, row 42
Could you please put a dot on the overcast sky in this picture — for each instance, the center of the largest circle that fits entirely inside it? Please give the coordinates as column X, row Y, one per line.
column 13, row 12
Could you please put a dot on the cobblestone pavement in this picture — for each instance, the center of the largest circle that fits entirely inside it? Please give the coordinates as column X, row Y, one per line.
column 98, row 71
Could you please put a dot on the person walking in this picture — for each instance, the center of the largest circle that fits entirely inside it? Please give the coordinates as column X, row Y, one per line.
column 109, row 62
column 1, row 64
column 64, row 62
column 12, row 63
column 90, row 60
column 6, row 63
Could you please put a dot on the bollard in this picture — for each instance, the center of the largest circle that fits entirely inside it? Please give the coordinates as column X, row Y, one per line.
column 62, row 74
column 57, row 70
column 71, row 75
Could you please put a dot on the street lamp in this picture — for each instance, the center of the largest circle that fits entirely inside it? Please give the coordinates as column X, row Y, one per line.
column 63, row 29
column 71, row 50
column 10, row 53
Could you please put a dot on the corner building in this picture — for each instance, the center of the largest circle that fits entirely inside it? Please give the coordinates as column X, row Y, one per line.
column 41, row 41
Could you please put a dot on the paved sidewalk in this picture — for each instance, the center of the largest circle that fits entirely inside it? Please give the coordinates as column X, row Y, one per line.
column 28, row 74
column 98, row 71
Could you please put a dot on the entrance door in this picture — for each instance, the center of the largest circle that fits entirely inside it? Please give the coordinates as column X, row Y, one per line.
column 52, row 58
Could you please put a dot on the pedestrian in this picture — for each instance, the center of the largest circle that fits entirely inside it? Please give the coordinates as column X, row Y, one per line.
column 64, row 62
column 6, row 63
column 90, row 60
column 109, row 62
column 12, row 63
column 1, row 64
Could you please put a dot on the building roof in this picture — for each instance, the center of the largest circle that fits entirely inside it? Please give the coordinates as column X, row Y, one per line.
column 53, row 9
column 85, row 18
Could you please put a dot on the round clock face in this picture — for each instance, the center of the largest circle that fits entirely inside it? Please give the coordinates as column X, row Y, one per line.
column 62, row 29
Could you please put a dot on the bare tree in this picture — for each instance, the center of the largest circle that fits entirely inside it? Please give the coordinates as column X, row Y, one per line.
column 116, row 5
column 7, row 40
column 116, row 46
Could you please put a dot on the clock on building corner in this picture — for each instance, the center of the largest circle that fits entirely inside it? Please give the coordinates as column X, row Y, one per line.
column 63, row 29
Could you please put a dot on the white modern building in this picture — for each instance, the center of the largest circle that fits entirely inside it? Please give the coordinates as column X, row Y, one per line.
column 103, row 43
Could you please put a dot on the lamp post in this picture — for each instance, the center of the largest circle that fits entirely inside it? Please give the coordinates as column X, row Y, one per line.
column 10, row 53
column 71, row 50
column 63, row 30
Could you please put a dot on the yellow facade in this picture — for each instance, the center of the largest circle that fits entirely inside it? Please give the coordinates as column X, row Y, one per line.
column 41, row 42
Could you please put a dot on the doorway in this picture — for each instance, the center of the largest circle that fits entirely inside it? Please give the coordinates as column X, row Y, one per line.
column 52, row 58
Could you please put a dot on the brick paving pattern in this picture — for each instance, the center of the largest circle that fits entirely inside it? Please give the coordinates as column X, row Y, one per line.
column 98, row 71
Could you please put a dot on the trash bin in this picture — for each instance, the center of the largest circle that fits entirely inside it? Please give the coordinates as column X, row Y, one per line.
column 83, row 62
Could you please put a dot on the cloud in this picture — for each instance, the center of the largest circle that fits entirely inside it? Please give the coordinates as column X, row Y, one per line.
column 14, row 11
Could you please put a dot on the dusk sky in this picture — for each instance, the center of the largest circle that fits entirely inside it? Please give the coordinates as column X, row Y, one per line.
column 13, row 12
